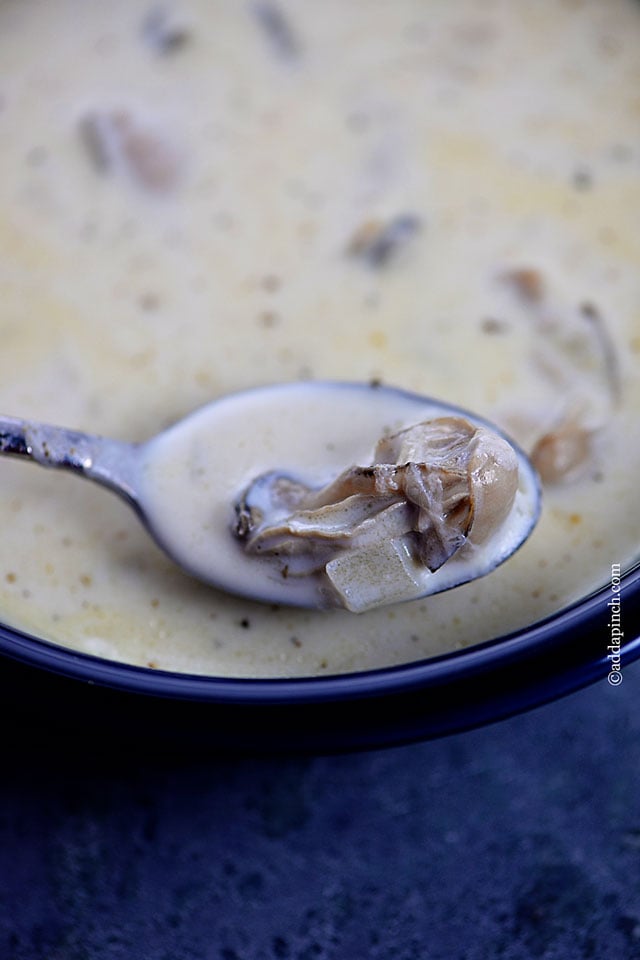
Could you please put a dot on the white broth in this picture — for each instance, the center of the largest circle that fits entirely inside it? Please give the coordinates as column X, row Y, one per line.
column 209, row 490
column 199, row 198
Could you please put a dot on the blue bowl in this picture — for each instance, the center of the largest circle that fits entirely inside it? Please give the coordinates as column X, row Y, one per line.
column 46, row 690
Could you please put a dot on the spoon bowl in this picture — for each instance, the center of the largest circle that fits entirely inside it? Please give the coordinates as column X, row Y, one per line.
column 186, row 482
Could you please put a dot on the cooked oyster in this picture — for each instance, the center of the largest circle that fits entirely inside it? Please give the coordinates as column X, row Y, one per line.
column 435, row 490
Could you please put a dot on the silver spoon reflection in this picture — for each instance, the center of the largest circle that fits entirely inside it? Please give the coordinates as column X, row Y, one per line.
column 315, row 494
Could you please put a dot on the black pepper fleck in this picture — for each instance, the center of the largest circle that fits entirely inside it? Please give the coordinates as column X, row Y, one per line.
column 493, row 326
column 582, row 179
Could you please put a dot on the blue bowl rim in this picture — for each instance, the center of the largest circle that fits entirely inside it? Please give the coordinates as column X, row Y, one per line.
column 509, row 650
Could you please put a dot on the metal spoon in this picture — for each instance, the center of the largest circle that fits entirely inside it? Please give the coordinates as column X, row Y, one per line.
column 185, row 483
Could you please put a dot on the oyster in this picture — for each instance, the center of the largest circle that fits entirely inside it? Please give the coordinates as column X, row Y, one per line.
column 434, row 490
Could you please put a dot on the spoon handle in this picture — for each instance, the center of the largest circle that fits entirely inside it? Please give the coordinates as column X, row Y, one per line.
column 111, row 463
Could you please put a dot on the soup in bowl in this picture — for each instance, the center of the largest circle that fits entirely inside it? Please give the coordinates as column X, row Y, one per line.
column 198, row 199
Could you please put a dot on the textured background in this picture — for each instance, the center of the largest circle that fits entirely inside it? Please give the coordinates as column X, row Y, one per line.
column 515, row 841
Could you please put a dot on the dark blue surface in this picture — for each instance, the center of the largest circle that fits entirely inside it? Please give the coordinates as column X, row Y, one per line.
column 517, row 840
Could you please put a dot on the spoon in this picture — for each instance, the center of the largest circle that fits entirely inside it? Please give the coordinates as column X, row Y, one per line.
column 190, row 484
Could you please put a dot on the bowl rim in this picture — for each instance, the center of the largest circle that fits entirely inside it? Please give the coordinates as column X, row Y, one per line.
column 509, row 650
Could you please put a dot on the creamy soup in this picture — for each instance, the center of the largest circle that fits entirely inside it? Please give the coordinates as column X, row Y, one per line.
column 226, row 492
column 198, row 198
